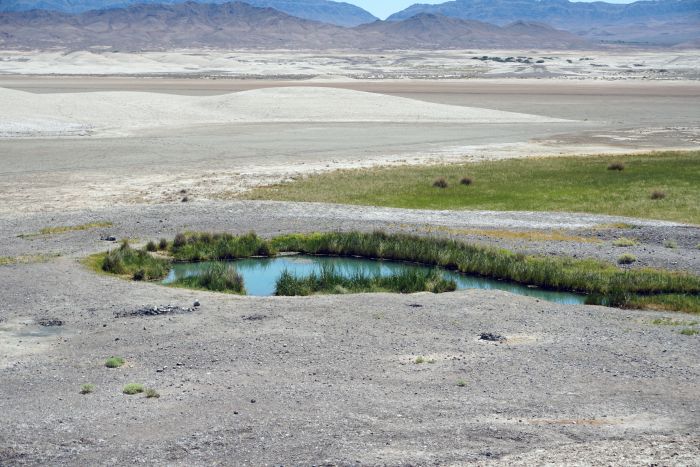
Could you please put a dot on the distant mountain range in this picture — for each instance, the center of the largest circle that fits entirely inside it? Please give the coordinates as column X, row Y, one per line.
column 340, row 14
column 238, row 24
column 663, row 22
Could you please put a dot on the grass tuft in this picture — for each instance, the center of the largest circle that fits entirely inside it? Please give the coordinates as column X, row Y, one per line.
column 624, row 241
column 619, row 166
column 219, row 247
column 658, row 194
column 114, row 362
column 670, row 244
column 626, row 258
column 87, row 389
column 690, row 332
column 133, row 388
column 461, row 383
column 466, row 181
column 151, row 393
column 139, row 264
column 151, row 246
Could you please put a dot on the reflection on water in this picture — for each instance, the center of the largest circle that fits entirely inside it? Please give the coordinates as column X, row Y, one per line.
column 261, row 274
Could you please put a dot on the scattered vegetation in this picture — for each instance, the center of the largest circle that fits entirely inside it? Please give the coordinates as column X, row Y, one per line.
column 440, row 183
column 690, row 332
column 162, row 244
column 466, row 181
column 626, row 258
column 87, row 389
column 670, row 244
column 137, row 263
column 461, row 383
column 604, row 282
column 667, row 321
column 151, row 393
column 67, row 228
column 572, row 184
column 114, row 362
column 689, row 303
column 624, row 241
column 529, row 235
column 421, row 359
column 328, row 281
column 658, row 194
column 218, row 277
column 27, row 259
column 151, row 246
column 133, row 388
column 619, row 166
column 218, row 247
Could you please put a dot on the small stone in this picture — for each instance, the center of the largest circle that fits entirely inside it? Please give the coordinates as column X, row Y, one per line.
column 196, row 303
column 252, row 401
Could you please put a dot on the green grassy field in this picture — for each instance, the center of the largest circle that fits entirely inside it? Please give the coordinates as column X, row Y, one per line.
column 574, row 184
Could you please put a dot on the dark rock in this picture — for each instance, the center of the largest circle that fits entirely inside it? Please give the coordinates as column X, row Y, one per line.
column 491, row 337
column 50, row 322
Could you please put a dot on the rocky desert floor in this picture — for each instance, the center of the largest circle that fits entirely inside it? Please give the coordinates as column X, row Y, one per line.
column 325, row 380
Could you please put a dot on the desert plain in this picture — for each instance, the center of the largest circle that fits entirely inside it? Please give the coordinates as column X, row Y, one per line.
column 113, row 142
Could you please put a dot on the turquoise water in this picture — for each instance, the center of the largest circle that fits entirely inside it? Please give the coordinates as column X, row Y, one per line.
column 261, row 274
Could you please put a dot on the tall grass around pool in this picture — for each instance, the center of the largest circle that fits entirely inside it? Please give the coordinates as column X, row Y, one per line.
column 328, row 281
column 219, row 277
column 603, row 282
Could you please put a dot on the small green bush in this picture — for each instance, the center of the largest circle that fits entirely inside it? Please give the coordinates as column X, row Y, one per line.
column 114, row 362
column 163, row 244
column 140, row 264
column 461, row 383
column 624, row 241
column 151, row 246
column 690, row 332
column 440, row 183
column 466, row 181
column 87, row 389
column 133, row 388
column 419, row 360
column 627, row 258
column 670, row 244
column 151, row 394
column 619, row 166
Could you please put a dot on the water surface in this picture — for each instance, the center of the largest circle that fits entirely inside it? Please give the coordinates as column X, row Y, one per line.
column 261, row 274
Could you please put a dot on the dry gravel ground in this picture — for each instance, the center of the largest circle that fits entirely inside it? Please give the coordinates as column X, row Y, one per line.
column 333, row 377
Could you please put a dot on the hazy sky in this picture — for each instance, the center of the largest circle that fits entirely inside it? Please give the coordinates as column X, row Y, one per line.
column 383, row 8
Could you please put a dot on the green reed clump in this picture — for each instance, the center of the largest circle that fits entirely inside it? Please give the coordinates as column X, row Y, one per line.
column 219, row 247
column 139, row 264
column 576, row 275
column 328, row 281
column 218, row 277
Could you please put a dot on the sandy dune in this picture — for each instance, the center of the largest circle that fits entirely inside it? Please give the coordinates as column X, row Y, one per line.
column 119, row 113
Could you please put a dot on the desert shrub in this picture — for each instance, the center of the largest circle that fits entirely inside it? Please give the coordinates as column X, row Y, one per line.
column 151, row 393
column 114, row 362
column 151, row 246
column 87, row 389
column 619, row 166
column 466, row 181
column 440, row 183
column 163, row 244
column 627, row 258
column 132, row 388
column 670, row 244
column 658, row 194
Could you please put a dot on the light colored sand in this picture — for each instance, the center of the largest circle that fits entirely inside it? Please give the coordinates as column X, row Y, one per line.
column 343, row 65
column 122, row 113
